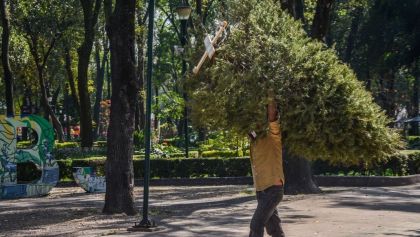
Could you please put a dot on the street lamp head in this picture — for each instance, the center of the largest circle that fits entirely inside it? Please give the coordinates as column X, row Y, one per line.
column 183, row 11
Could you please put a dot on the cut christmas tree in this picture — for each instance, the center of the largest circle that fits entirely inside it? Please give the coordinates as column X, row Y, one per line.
column 325, row 112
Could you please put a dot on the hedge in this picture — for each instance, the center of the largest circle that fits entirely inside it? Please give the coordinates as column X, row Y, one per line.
column 228, row 153
column 413, row 142
column 78, row 153
column 403, row 164
column 64, row 145
column 191, row 154
column 170, row 168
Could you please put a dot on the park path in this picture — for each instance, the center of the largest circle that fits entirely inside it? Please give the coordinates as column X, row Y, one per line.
column 219, row 211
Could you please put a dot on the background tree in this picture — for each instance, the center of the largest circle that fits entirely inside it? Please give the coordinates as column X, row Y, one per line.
column 99, row 82
column 382, row 47
column 90, row 13
column 8, row 77
column 43, row 25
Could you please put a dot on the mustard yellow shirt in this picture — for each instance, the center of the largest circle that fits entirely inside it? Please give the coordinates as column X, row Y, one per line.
column 266, row 158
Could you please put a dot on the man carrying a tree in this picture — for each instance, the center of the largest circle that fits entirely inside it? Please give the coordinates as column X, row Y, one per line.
column 267, row 170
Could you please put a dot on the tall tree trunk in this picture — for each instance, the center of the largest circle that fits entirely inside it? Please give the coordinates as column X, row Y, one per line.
column 414, row 111
column 390, row 94
column 295, row 8
column 199, row 7
column 321, row 22
column 100, row 74
column 8, row 78
column 108, row 79
column 55, row 97
column 90, row 16
column 416, row 87
column 156, row 112
column 70, row 78
column 119, row 195
column 47, row 108
column 66, row 111
column 353, row 33
column 300, row 10
column 289, row 6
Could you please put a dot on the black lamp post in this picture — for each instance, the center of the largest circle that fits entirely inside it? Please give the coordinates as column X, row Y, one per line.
column 184, row 11
column 146, row 224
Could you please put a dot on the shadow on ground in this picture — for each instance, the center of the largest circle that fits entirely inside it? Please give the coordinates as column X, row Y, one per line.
column 73, row 213
column 400, row 199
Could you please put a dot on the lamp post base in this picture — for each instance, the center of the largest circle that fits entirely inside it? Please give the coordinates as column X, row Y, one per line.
column 146, row 226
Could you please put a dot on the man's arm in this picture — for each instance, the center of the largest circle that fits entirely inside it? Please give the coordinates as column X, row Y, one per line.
column 272, row 112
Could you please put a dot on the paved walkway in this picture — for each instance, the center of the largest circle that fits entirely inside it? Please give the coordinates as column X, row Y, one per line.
column 219, row 211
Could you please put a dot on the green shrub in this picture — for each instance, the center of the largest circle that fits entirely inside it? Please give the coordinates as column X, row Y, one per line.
column 66, row 166
column 100, row 144
column 23, row 144
column 77, row 153
column 138, row 139
column 61, row 145
column 413, row 142
column 413, row 163
column 229, row 153
column 191, row 154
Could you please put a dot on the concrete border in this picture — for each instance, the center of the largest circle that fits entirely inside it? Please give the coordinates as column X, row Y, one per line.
column 366, row 181
column 198, row 181
column 327, row 181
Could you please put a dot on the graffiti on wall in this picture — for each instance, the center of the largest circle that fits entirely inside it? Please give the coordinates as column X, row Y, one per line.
column 39, row 154
column 87, row 179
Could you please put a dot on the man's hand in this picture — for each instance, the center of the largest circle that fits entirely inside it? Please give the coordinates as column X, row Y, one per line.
column 272, row 112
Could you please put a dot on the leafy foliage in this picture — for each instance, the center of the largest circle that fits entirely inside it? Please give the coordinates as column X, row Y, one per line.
column 325, row 111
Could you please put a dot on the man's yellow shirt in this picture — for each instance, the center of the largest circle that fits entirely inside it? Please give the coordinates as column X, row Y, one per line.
column 266, row 158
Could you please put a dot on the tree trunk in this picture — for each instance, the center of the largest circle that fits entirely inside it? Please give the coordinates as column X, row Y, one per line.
column 414, row 111
column 321, row 22
column 390, row 93
column 415, row 98
column 119, row 195
column 54, row 100
column 298, row 175
column 156, row 112
column 300, row 10
column 47, row 108
column 137, row 119
column 100, row 74
column 70, row 78
column 8, row 78
column 353, row 33
column 289, row 6
column 85, row 109
column 90, row 15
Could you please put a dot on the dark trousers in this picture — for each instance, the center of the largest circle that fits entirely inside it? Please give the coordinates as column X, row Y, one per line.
column 266, row 214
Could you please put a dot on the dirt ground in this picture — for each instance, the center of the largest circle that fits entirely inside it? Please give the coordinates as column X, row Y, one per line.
column 219, row 211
